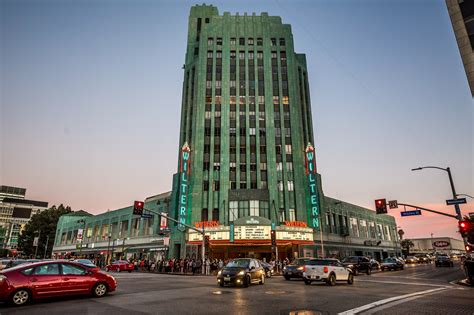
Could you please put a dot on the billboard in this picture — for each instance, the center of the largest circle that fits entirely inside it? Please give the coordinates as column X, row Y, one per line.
column 23, row 213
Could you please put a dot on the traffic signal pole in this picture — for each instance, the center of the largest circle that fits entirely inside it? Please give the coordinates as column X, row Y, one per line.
column 202, row 232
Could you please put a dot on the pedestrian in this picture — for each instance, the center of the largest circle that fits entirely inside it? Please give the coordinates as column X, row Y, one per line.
column 221, row 264
column 208, row 266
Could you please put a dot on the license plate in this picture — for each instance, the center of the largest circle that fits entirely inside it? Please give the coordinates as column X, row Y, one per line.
column 289, row 272
column 227, row 278
column 314, row 277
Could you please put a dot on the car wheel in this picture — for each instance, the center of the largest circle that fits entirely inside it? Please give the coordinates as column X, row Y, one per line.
column 246, row 282
column 307, row 282
column 350, row 278
column 269, row 274
column 356, row 272
column 262, row 279
column 100, row 290
column 20, row 297
column 331, row 280
column 221, row 284
column 287, row 278
column 369, row 271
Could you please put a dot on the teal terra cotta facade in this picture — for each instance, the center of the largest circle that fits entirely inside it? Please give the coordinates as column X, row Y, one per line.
column 247, row 161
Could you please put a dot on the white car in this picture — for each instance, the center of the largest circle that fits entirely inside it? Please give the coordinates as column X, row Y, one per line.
column 328, row 270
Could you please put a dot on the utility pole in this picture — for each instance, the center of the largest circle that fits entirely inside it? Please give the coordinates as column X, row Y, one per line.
column 46, row 246
column 39, row 235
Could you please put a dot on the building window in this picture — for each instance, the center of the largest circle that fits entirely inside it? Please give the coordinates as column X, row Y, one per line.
column 233, row 210
column 379, row 231
column 219, row 41
column 205, row 185
column 250, row 40
column 354, row 226
column 204, row 215
column 290, row 185
column 282, row 42
column 232, row 41
column 273, row 41
column 259, row 41
column 363, row 228
column 387, row 233
column 210, row 41
column 243, row 208
column 280, row 185
column 288, row 149
column 215, row 214
column 254, row 208
column 241, row 41
column 289, row 166
column 292, row 214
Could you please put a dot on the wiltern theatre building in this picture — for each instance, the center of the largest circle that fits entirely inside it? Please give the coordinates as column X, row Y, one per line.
column 247, row 158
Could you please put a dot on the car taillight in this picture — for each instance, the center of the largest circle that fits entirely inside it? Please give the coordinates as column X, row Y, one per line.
column 304, row 268
column 326, row 269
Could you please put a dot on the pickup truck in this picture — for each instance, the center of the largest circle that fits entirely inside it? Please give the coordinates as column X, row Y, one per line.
column 327, row 270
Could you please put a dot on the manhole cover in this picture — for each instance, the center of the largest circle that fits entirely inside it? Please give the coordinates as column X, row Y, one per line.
column 276, row 292
column 304, row 312
column 220, row 292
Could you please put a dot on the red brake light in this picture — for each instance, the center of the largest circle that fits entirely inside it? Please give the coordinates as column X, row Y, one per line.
column 326, row 269
column 304, row 268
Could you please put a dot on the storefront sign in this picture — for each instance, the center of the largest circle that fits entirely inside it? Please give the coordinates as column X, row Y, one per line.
column 79, row 234
column 206, row 224
column 294, row 235
column 252, row 232
column 231, row 232
column 184, row 186
column 296, row 223
column 313, row 212
column 441, row 244
column 213, row 236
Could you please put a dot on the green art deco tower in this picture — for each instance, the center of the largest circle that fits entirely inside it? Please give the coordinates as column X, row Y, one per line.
column 246, row 164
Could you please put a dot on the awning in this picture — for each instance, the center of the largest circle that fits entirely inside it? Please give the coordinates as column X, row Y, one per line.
column 253, row 242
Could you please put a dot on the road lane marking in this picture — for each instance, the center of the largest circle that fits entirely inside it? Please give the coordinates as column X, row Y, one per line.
column 389, row 300
column 411, row 283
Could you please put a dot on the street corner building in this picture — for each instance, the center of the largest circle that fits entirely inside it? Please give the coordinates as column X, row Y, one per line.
column 247, row 160
column 114, row 234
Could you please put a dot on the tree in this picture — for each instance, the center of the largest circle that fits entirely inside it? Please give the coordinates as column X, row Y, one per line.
column 42, row 224
column 406, row 244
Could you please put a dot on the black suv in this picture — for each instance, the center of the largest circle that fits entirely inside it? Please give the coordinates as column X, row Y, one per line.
column 358, row 264
column 241, row 271
column 295, row 269
column 443, row 260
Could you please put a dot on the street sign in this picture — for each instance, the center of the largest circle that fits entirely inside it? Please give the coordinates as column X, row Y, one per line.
column 35, row 241
column 393, row 204
column 147, row 216
column 411, row 212
column 458, row 201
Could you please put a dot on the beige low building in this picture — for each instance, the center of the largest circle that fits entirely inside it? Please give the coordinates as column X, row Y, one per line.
column 437, row 244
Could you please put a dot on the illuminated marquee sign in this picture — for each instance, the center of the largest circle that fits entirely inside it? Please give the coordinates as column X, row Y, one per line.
column 184, row 172
column 313, row 211
column 206, row 224
column 296, row 224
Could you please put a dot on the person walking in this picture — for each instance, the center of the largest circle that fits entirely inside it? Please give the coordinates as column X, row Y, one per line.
column 208, row 267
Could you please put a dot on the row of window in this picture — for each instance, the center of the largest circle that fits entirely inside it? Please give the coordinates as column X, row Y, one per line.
column 249, row 40
column 338, row 224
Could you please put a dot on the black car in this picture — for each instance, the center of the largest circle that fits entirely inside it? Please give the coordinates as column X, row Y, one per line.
column 423, row 259
column 358, row 264
column 295, row 269
column 85, row 262
column 391, row 264
column 241, row 271
column 443, row 260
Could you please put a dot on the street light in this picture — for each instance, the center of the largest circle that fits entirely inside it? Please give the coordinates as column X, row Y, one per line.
column 39, row 235
column 465, row 195
column 448, row 170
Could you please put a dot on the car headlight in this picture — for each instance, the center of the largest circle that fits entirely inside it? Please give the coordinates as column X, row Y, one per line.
column 300, row 268
column 284, row 268
column 219, row 273
column 241, row 273
column 350, row 266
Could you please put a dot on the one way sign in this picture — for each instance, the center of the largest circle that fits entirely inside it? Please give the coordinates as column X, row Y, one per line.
column 393, row 204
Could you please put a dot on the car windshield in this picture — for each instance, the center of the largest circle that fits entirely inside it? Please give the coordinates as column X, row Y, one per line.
column 84, row 261
column 390, row 260
column 350, row 260
column 238, row 263
column 299, row 262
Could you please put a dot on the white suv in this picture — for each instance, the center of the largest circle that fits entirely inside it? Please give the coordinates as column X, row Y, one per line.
column 328, row 270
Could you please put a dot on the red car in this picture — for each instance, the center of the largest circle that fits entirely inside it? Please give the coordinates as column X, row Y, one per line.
column 120, row 265
column 23, row 283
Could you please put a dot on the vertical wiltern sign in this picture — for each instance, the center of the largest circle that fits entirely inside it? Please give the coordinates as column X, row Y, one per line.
column 313, row 211
column 184, row 172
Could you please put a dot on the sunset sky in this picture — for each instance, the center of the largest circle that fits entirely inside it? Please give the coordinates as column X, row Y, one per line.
column 91, row 98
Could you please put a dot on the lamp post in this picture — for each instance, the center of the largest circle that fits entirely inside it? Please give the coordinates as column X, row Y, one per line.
column 108, row 248
column 39, row 235
column 46, row 246
column 448, row 170
column 432, row 245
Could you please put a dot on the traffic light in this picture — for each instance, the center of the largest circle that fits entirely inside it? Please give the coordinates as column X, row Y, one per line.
column 273, row 236
column 464, row 227
column 138, row 207
column 381, row 206
column 206, row 240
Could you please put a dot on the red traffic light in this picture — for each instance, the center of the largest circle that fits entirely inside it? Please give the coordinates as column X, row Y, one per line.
column 138, row 207
column 381, row 206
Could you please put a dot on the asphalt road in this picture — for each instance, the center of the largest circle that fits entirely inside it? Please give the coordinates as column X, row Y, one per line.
column 421, row 289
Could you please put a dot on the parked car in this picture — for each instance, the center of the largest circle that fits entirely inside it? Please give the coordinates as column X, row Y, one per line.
column 411, row 260
column 295, row 268
column 120, row 265
column 374, row 265
column 9, row 263
column 24, row 283
column 85, row 262
column 391, row 263
column 358, row 264
column 423, row 259
column 241, row 271
column 268, row 268
column 443, row 260
column 327, row 270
